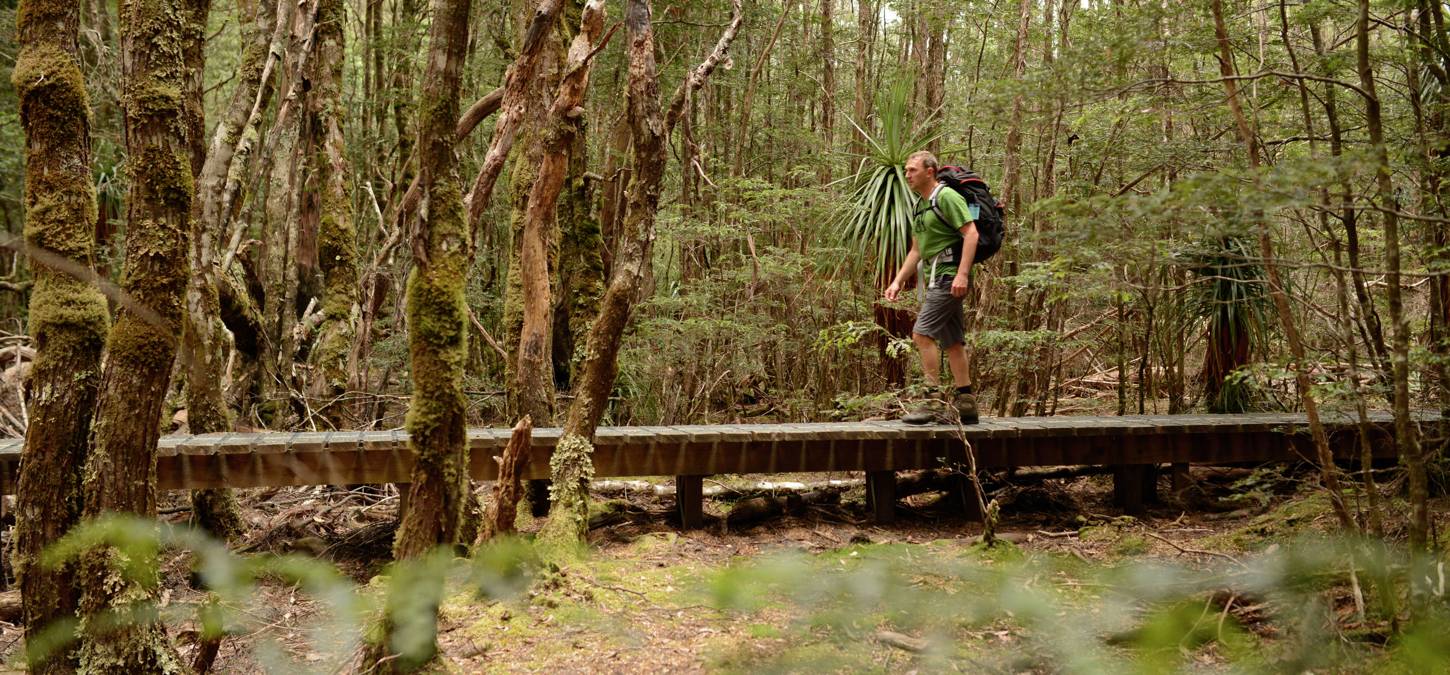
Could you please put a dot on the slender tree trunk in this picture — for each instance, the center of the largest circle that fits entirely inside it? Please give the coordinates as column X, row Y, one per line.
column 214, row 510
column 572, row 461
column 742, row 133
column 68, row 316
column 828, row 86
column 1249, row 139
column 1406, row 431
column 120, row 474
column 866, row 33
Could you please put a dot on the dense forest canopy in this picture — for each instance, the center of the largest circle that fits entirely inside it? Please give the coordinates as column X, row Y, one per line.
column 1103, row 125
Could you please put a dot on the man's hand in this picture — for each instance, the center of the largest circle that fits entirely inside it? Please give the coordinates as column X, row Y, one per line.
column 893, row 291
column 959, row 285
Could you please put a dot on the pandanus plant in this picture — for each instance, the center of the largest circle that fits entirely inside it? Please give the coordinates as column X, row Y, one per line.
column 879, row 212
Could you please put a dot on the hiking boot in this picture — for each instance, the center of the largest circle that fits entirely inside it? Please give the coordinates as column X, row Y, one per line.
column 966, row 405
column 928, row 411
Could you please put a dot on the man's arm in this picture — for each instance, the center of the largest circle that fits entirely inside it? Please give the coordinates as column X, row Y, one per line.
column 908, row 270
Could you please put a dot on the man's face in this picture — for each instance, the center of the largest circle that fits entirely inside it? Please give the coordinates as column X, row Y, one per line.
column 917, row 176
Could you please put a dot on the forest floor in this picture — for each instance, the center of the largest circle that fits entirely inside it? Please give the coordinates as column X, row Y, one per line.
column 647, row 598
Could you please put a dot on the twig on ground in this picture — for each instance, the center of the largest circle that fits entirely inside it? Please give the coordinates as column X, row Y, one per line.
column 1196, row 551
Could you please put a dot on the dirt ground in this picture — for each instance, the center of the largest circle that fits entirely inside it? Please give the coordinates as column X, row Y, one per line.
column 648, row 598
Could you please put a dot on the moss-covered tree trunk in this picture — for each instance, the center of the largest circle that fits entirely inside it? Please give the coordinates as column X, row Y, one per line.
column 437, row 313
column 204, row 339
column 68, row 317
column 214, row 510
column 336, row 248
column 437, row 326
column 120, row 474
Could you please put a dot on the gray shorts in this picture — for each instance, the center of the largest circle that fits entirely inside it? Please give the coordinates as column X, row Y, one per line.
column 941, row 314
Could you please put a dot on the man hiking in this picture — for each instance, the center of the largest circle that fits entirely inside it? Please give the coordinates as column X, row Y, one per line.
column 944, row 243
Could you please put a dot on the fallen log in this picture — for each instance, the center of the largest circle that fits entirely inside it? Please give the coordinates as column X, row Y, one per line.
column 756, row 509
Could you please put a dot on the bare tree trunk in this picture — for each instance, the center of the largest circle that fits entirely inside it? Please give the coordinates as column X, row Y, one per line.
column 572, row 466
column 1012, row 162
column 828, row 86
column 742, row 133
column 501, row 513
column 528, row 300
column 283, row 166
column 1406, row 432
column 120, row 474
column 68, row 316
column 866, row 29
column 1249, row 139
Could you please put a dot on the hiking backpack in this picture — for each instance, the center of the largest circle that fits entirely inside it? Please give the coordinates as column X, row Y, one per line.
column 972, row 188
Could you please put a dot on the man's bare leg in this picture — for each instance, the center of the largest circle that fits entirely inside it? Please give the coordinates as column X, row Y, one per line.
column 960, row 366
column 930, row 358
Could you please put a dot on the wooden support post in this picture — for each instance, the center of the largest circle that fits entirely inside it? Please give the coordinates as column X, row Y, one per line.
column 1128, row 484
column 1150, row 484
column 965, row 497
column 690, row 501
column 538, row 490
column 881, row 495
column 1181, row 478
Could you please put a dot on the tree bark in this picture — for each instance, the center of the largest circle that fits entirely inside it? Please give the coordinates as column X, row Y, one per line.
column 437, row 312
column 742, row 133
column 1249, row 139
column 528, row 314
column 828, row 86
column 572, row 462
column 120, row 475
column 68, row 316
column 504, row 510
column 1406, row 431
column 336, row 250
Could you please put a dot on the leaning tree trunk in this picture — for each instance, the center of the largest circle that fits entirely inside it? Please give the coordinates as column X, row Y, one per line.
column 120, row 474
column 528, row 310
column 68, row 317
column 572, row 463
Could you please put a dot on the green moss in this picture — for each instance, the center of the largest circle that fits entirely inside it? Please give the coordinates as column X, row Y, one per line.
column 572, row 468
column 1293, row 518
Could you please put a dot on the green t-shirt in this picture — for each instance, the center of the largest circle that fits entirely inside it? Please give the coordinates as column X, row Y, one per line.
column 935, row 239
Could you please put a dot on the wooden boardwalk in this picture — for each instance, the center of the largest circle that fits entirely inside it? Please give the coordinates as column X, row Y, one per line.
column 1135, row 445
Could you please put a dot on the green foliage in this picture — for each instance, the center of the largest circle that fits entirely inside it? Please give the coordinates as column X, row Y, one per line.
column 1059, row 617
column 407, row 595
column 879, row 211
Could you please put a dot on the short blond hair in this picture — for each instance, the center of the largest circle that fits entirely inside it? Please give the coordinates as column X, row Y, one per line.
column 928, row 160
